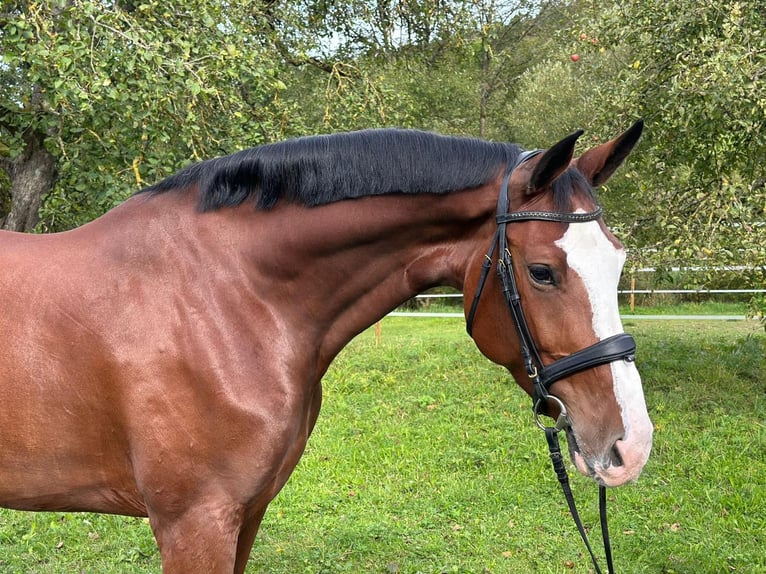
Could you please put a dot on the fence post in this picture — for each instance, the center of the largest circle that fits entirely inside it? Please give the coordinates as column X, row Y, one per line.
column 632, row 293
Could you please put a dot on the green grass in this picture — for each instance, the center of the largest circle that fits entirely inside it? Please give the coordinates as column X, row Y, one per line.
column 688, row 308
column 425, row 459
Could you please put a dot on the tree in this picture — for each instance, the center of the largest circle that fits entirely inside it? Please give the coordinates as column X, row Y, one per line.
column 698, row 84
column 98, row 97
column 695, row 194
column 447, row 65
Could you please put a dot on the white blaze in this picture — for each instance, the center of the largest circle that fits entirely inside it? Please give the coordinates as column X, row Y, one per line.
column 599, row 263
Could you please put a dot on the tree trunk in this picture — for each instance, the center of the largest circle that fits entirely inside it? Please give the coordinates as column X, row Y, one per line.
column 32, row 174
column 484, row 87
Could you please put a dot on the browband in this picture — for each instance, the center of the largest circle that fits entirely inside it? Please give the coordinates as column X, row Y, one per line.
column 549, row 216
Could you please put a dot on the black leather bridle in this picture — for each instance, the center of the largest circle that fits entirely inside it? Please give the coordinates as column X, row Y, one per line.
column 614, row 348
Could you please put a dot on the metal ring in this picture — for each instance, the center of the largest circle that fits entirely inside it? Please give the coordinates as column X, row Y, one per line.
column 562, row 421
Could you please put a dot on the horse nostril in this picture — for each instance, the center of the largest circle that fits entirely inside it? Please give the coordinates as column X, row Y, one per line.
column 616, row 456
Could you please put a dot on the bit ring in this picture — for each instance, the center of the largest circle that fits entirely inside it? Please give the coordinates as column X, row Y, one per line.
column 562, row 421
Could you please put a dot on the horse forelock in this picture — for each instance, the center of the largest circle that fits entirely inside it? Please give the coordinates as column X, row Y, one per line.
column 316, row 170
column 567, row 186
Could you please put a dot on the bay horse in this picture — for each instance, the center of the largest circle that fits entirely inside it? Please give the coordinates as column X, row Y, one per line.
column 165, row 359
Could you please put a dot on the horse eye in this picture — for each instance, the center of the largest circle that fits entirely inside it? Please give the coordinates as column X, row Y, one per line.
column 541, row 274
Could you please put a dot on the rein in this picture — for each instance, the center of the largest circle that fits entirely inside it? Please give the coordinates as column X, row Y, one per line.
column 614, row 348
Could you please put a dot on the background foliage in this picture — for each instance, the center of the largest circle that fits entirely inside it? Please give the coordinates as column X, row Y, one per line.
column 119, row 94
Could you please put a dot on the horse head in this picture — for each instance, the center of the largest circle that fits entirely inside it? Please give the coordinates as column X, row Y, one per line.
column 555, row 309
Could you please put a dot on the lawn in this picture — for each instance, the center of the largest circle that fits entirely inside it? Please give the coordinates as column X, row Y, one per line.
column 425, row 459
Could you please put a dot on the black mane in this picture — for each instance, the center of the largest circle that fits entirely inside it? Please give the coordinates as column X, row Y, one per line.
column 316, row 170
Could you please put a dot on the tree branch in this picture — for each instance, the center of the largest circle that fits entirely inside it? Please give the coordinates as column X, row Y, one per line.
column 272, row 22
column 302, row 61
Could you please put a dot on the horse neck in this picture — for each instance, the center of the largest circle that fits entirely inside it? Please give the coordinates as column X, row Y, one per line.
column 334, row 270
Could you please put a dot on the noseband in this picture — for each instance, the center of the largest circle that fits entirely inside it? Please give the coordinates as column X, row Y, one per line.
column 617, row 347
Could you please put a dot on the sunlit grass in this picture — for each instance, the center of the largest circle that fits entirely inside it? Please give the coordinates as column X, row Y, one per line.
column 425, row 459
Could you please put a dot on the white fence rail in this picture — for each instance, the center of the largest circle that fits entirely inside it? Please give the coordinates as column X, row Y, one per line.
column 630, row 292
column 624, row 292
column 691, row 291
column 626, row 317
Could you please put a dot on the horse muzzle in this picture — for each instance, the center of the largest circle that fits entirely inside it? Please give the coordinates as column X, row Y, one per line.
column 622, row 464
column 621, row 456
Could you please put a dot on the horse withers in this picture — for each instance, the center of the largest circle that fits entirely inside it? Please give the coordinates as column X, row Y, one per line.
column 165, row 360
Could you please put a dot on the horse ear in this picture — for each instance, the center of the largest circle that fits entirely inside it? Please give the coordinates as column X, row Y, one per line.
column 598, row 164
column 553, row 163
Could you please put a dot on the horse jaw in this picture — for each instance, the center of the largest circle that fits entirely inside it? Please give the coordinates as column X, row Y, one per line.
column 598, row 263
